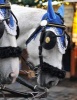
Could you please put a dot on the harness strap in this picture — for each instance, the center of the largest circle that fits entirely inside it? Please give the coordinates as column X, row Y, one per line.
column 18, row 29
column 48, row 25
column 56, row 25
column 54, row 71
column 33, row 34
column 5, row 6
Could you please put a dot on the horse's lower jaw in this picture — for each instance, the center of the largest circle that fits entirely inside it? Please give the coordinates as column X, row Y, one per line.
column 52, row 82
column 47, row 81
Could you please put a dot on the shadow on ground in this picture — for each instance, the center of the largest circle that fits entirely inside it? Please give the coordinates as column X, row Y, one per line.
column 65, row 90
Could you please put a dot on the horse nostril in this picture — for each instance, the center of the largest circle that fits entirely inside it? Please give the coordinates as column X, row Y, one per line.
column 11, row 75
column 10, row 78
column 49, row 84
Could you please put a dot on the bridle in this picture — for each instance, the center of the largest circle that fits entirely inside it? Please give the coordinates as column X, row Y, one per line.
column 43, row 66
column 42, row 28
column 12, row 51
column 7, row 5
column 6, row 52
column 51, row 69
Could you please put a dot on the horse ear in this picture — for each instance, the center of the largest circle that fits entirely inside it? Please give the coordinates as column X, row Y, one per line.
column 2, row 1
column 50, row 11
column 61, row 10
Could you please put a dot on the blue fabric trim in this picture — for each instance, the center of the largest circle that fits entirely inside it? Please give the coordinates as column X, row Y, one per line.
column 52, row 17
column 36, row 34
column 61, row 10
column 11, row 23
column 50, row 11
column 56, row 21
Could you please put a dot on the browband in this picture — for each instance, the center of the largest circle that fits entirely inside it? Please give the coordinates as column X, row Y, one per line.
column 5, row 6
column 56, row 25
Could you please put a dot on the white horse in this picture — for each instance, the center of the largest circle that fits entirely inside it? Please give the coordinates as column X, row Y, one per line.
column 9, row 63
column 29, row 19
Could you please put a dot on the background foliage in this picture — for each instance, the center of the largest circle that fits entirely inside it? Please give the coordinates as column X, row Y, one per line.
column 30, row 2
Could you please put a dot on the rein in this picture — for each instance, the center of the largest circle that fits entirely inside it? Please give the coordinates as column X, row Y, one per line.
column 38, row 92
column 9, row 51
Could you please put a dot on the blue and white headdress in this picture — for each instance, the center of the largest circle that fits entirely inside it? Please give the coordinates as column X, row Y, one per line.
column 56, row 18
column 11, row 27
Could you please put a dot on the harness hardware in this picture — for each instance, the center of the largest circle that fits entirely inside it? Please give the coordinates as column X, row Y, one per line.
column 5, row 6
column 56, row 25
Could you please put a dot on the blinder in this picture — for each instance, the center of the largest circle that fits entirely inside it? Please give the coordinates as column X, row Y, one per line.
column 2, row 27
column 49, row 40
column 7, row 16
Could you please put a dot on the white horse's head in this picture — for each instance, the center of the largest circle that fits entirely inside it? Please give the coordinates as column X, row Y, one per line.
column 50, row 37
column 9, row 52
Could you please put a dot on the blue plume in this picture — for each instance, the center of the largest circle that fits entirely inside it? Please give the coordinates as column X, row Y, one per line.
column 61, row 10
column 50, row 11
column 52, row 17
column 2, row 1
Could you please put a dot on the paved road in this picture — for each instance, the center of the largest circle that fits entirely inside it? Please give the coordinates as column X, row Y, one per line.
column 60, row 92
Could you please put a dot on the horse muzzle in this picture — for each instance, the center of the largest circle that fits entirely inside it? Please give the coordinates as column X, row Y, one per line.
column 45, row 80
column 7, row 80
column 49, row 75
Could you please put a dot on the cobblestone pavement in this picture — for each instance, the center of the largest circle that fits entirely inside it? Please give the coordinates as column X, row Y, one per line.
column 65, row 90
